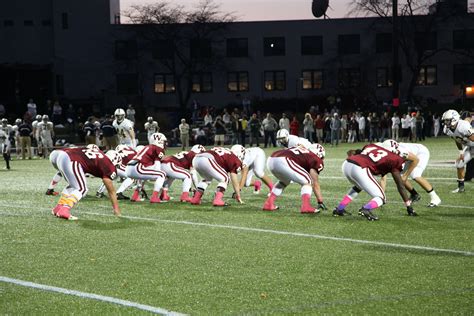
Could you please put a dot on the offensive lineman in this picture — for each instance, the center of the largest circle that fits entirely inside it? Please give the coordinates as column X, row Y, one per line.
column 284, row 138
column 124, row 128
column 463, row 134
column 254, row 164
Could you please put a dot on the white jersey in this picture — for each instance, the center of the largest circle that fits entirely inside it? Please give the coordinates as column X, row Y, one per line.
column 463, row 131
column 419, row 151
column 5, row 134
column 45, row 130
column 252, row 155
column 294, row 141
column 34, row 125
column 416, row 149
column 151, row 128
column 124, row 129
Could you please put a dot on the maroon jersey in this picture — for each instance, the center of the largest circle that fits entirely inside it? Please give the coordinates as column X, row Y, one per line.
column 226, row 159
column 182, row 159
column 92, row 161
column 302, row 157
column 378, row 160
column 127, row 154
column 149, row 154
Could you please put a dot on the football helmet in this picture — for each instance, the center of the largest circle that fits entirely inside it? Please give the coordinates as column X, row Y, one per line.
column 158, row 139
column 119, row 115
column 391, row 145
column 45, row 117
column 198, row 149
column 18, row 121
column 239, row 151
column 121, row 147
column 38, row 117
column 318, row 150
column 282, row 136
column 150, row 119
column 451, row 118
column 114, row 157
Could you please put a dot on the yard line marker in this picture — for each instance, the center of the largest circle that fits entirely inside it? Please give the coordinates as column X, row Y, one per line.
column 97, row 297
column 287, row 233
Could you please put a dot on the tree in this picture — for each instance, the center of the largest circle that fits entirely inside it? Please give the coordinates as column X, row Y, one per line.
column 417, row 30
column 184, row 43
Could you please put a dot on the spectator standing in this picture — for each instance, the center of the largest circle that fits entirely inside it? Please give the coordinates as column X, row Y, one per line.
column 234, row 127
column 219, row 125
column 308, row 127
column 89, row 131
column 335, row 126
column 31, row 108
column 413, row 126
column 246, row 105
column 319, row 125
column 405, row 122
column 419, row 126
column 385, row 124
column 353, row 127
column 57, row 113
column 362, row 124
column 395, row 126
column 184, row 134
column 200, row 136
column 269, row 127
column 109, row 133
column 436, row 124
column 25, row 130
column 327, row 129
column 294, row 126
column 242, row 129
column 373, row 127
column 344, row 124
column 130, row 113
column 255, row 126
column 284, row 122
column 208, row 119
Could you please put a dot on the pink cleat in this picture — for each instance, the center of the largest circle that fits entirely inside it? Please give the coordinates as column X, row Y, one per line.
column 269, row 204
column 185, row 197
column 196, row 200
column 257, row 186
column 155, row 198
column 164, row 196
column 306, row 207
column 136, row 196
column 218, row 201
column 64, row 212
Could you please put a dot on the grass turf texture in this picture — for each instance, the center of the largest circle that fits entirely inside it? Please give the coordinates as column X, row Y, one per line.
column 160, row 258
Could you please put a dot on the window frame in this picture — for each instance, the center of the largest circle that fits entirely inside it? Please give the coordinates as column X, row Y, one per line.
column 312, row 79
column 165, row 82
column 274, row 80
column 425, row 83
column 238, row 81
column 201, row 80
column 349, row 72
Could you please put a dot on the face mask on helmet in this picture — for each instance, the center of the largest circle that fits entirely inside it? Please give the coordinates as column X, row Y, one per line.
column 239, row 151
column 282, row 136
column 158, row 139
column 391, row 145
column 318, row 150
column 198, row 149
column 119, row 115
column 114, row 157
column 451, row 118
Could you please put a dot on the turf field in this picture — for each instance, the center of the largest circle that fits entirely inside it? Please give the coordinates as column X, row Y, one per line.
column 237, row 260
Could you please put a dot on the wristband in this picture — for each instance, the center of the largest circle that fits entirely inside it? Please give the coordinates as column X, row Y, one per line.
column 320, row 201
column 408, row 203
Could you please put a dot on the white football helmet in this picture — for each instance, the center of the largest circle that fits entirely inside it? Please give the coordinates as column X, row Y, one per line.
column 158, row 139
column 93, row 147
column 239, row 151
column 45, row 117
column 114, row 157
column 38, row 117
column 4, row 122
column 318, row 150
column 18, row 121
column 198, row 149
column 391, row 145
column 119, row 115
column 282, row 136
column 451, row 118
column 150, row 119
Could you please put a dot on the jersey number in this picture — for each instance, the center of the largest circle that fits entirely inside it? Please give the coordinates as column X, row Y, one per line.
column 221, row 151
column 299, row 150
column 374, row 153
column 92, row 154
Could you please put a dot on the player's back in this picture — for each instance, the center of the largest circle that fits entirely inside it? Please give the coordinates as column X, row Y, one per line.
column 378, row 160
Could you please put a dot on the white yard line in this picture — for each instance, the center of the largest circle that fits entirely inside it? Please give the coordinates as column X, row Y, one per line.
column 92, row 296
column 296, row 234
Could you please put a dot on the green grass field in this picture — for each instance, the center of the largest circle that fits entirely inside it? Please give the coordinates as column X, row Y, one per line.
column 239, row 260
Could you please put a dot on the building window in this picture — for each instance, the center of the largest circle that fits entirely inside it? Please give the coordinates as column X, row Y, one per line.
column 200, row 48
column 463, row 74
column 384, row 77
column 349, row 44
column 28, row 23
column 163, row 49
column 311, row 45
column 275, row 80
column 238, row 81
column 7, row 23
column 202, row 82
column 125, row 50
column 64, row 21
column 425, row 41
column 164, row 83
column 46, row 22
column 59, row 85
column 274, row 46
column 463, row 39
column 349, row 77
column 383, row 43
column 312, row 79
column 127, row 83
column 427, row 76
column 237, row 47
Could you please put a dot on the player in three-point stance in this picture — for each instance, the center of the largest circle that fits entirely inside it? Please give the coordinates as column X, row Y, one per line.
column 217, row 163
column 284, row 139
column 73, row 164
column 180, row 166
column 361, row 167
column 300, row 165
column 463, row 134
column 254, row 164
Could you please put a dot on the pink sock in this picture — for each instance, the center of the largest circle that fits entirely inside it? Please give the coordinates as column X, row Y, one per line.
column 371, row 205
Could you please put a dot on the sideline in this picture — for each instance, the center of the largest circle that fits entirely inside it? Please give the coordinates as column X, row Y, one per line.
column 92, row 296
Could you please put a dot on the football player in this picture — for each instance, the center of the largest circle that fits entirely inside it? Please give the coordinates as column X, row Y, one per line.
column 180, row 166
column 217, row 163
column 360, row 168
column 146, row 165
column 423, row 155
column 5, row 142
column 300, row 165
column 151, row 127
column 254, row 164
column 284, row 139
column 16, row 132
column 463, row 134
column 124, row 128
column 46, row 133
column 36, row 134
column 73, row 164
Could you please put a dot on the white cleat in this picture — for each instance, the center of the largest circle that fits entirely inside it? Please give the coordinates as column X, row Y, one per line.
column 458, row 190
column 72, row 218
column 435, row 202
